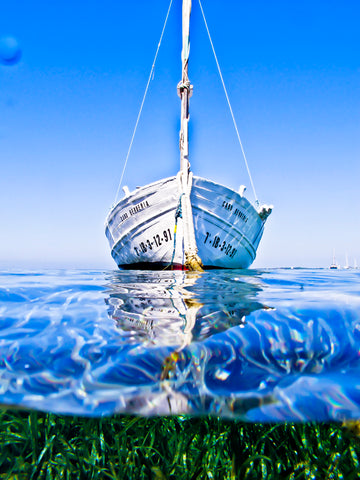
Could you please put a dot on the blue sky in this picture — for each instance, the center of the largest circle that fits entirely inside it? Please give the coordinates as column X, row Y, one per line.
column 69, row 104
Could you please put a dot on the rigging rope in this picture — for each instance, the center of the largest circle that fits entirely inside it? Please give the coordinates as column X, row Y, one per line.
column 178, row 214
column 228, row 101
column 143, row 101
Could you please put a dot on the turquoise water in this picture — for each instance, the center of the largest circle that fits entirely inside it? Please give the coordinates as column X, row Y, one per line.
column 257, row 345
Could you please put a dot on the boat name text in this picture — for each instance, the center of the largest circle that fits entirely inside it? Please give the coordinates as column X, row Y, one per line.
column 140, row 206
column 133, row 211
column 237, row 212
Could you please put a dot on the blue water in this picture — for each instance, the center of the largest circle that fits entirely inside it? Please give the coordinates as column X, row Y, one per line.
column 257, row 345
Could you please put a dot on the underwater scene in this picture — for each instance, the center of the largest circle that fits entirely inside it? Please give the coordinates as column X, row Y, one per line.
column 272, row 345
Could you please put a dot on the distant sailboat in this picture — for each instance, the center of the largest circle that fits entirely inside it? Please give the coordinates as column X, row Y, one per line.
column 346, row 266
column 334, row 265
column 184, row 221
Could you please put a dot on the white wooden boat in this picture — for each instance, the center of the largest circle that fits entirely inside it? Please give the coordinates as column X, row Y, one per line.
column 185, row 221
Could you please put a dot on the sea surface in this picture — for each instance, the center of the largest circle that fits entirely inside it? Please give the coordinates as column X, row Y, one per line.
column 257, row 345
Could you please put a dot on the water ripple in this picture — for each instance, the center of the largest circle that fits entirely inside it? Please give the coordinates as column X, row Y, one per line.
column 270, row 345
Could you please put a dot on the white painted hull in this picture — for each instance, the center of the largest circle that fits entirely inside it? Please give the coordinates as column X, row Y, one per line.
column 141, row 227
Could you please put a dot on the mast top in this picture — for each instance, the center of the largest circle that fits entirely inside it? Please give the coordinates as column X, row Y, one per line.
column 186, row 10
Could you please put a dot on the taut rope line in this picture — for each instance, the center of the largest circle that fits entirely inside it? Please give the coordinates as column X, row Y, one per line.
column 143, row 101
column 228, row 101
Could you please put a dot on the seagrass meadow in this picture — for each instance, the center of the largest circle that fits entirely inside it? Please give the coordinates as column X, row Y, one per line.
column 38, row 445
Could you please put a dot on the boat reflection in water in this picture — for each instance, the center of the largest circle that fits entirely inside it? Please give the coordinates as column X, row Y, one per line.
column 213, row 343
column 176, row 310
column 165, row 320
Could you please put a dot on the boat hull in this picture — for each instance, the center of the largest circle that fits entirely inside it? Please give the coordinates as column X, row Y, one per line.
column 145, row 229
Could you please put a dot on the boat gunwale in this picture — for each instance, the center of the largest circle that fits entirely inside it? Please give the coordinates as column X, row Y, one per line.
column 167, row 179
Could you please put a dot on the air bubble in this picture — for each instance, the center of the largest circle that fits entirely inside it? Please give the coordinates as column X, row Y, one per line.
column 10, row 51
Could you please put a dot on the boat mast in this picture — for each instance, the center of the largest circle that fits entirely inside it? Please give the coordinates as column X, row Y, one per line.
column 192, row 260
column 185, row 88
